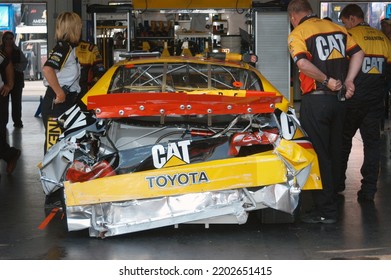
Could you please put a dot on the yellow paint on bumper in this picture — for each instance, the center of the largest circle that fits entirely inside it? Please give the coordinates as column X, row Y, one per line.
column 245, row 172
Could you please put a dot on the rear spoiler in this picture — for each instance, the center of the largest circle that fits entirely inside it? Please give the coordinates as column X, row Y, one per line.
column 124, row 105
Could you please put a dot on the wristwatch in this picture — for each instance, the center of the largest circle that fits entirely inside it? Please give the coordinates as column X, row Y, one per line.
column 326, row 81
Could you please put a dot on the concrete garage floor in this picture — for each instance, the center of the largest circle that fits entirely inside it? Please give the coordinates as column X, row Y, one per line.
column 362, row 233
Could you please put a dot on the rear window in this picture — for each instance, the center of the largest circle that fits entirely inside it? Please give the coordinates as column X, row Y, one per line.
column 167, row 77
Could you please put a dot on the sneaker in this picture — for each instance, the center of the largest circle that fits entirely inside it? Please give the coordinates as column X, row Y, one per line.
column 53, row 204
column 317, row 219
column 54, row 200
column 11, row 163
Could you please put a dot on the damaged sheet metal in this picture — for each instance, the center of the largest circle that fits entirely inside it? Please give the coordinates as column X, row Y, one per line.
column 109, row 219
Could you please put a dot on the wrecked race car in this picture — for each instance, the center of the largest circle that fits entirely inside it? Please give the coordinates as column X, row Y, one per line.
column 171, row 140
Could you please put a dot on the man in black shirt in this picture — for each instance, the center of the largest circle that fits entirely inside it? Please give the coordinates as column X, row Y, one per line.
column 320, row 49
column 365, row 109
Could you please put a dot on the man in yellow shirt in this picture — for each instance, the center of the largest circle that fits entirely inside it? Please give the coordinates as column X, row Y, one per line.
column 321, row 50
column 91, row 63
column 365, row 109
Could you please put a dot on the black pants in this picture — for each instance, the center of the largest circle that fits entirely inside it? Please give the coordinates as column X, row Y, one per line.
column 51, row 110
column 4, row 146
column 16, row 104
column 367, row 119
column 322, row 118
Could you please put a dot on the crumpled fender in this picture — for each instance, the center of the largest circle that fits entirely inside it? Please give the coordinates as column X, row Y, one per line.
column 299, row 155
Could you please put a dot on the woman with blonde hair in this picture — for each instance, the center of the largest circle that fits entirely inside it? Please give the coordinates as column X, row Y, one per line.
column 61, row 71
column 61, row 74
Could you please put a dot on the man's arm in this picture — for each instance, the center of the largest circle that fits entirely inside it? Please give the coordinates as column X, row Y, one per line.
column 51, row 78
column 354, row 67
column 23, row 62
column 310, row 70
column 9, row 72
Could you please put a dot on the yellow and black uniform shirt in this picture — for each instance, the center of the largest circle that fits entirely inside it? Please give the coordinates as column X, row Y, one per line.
column 91, row 62
column 324, row 43
column 62, row 58
column 370, row 81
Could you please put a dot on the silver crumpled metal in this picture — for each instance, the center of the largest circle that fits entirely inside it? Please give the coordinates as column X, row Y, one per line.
column 230, row 206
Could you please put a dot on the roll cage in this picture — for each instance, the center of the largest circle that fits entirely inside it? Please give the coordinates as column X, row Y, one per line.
column 179, row 76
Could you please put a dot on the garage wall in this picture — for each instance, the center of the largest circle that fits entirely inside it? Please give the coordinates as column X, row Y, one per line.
column 271, row 32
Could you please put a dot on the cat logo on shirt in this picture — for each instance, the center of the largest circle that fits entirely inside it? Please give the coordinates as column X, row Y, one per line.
column 330, row 46
column 373, row 65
